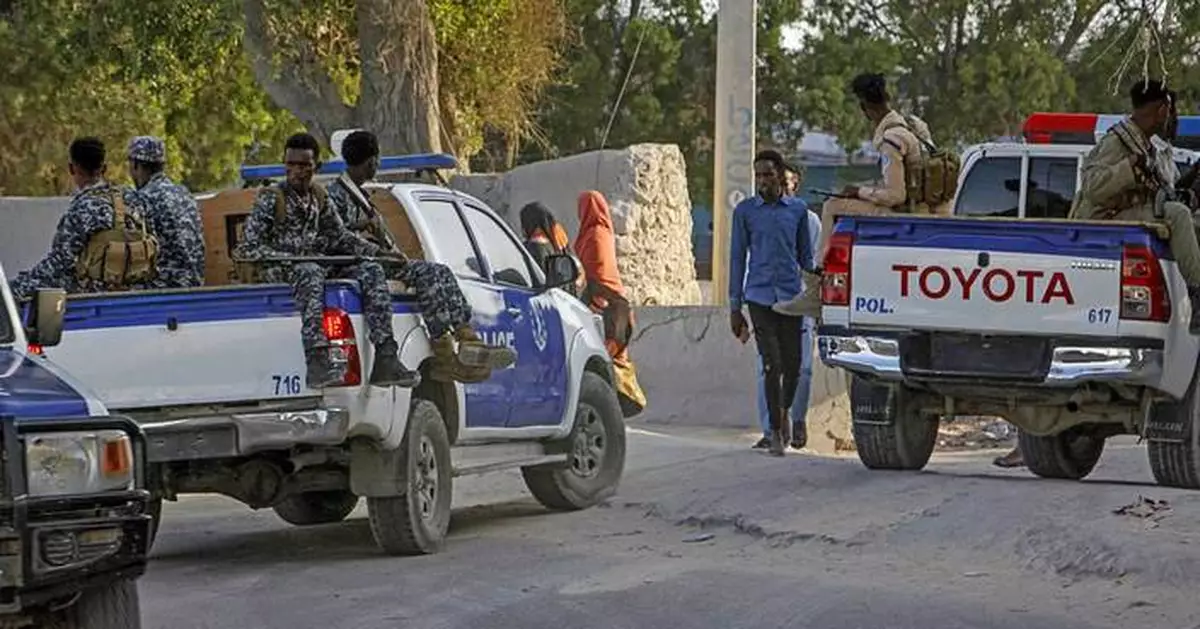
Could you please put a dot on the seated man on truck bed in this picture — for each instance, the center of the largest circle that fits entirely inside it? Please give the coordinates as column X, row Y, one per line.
column 444, row 308
column 309, row 227
column 81, row 259
column 918, row 178
column 1120, row 179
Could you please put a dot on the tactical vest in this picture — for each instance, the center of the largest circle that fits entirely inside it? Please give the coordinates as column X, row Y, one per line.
column 122, row 256
column 930, row 178
column 251, row 272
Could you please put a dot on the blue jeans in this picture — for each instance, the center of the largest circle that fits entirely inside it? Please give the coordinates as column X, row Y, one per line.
column 799, row 409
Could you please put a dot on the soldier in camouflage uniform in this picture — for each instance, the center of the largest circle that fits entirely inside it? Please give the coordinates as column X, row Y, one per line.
column 1122, row 176
column 311, row 228
column 172, row 215
column 444, row 308
column 90, row 211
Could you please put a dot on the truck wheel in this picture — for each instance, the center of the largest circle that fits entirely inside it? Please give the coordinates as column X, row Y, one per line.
column 416, row 522
column 316, row 507
column 597, row 453
column 1071, row 454
column 110, row 606
column 1174, row 440
column 890, row 432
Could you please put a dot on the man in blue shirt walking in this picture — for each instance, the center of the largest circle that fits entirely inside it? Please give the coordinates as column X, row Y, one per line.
column 799, row 408
column 769, row 248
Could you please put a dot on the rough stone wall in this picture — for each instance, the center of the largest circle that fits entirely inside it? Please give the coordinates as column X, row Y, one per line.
column 646, row 188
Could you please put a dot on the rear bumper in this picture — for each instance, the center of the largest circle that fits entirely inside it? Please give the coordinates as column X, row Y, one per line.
column 1072, row 361
column 239, row 434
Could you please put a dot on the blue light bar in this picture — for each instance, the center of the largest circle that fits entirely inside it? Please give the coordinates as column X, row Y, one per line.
column 395, row 163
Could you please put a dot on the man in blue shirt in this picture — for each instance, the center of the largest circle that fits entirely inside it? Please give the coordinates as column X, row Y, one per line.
column 799, row 408
column 769, row 247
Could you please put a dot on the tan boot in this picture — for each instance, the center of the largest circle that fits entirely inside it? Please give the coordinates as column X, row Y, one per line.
column 473, row 352
column 805, row 304
column 448, row 367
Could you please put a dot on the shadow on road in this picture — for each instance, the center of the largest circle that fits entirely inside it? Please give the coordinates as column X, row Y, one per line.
column 350, row 540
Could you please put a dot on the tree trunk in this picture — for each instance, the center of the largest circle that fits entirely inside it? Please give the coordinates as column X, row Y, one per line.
column 399, row 84
column 398, row 100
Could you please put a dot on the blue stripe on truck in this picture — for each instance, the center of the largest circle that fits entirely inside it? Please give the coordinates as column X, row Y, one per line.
column 202, row 305
column 1081, row 240
column 29, row 389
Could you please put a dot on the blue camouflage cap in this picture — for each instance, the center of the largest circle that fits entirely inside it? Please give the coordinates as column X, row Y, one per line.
column 147, row 148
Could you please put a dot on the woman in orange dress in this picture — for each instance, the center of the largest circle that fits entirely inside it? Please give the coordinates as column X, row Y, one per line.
column 596, row 247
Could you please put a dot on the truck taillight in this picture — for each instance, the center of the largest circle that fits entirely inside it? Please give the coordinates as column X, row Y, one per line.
column 1144, row 294
column 835, row 280
column 343, row 347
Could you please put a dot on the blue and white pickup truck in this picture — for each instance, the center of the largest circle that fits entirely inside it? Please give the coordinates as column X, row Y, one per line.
column 215, row 377
column 1074, row 331
column 74, row 529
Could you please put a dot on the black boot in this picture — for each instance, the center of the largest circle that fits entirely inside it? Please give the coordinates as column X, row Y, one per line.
column 1194, row 297
column 799, row 435
column 320, row 369
column 389, row 371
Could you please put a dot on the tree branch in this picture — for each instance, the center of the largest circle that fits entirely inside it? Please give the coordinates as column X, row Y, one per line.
column 302, row 88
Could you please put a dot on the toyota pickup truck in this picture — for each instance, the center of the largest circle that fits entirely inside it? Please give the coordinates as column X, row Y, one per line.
column 1074, row 331
column 74, row 527
column 215, row 377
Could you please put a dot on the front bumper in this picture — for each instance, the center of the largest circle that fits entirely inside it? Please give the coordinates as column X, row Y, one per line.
column 1072, row 362
column 54, row 547
column 240, row 434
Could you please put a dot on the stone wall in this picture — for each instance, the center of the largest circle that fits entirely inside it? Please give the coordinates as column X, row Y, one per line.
column 646, row 188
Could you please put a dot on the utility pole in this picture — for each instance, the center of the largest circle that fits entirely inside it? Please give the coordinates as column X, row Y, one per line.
column 733, row 142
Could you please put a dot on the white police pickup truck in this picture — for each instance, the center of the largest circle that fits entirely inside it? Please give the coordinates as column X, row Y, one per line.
column 1074, row 331
column 215, row 377
column 73, row 524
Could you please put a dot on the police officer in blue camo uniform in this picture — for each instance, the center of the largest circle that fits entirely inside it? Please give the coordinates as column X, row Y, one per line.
column 89, row 211
column 444, row 308
column 311, row 228
column 171, row 213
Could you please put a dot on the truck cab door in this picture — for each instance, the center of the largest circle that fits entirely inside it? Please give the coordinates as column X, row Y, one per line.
column 537, row 384
column 487, row 403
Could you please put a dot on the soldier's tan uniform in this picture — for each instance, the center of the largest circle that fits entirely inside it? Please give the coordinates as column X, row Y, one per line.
column 1113, row 189
column 896, row 139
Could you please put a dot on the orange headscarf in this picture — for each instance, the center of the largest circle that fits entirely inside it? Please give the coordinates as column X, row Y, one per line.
column 596, row 244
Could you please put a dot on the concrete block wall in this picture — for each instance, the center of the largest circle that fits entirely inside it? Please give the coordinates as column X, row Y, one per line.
column 695, row 373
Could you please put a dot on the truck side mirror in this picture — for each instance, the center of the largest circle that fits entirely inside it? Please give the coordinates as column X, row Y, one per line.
column 562, row 269
column 46, row 313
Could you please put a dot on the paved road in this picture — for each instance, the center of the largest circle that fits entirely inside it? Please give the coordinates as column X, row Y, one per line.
column 801, row 542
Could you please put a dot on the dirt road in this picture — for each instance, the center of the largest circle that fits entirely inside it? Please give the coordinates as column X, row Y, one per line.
column 707, row 533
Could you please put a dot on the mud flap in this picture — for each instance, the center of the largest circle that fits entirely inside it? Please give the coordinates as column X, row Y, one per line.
column 872, row 403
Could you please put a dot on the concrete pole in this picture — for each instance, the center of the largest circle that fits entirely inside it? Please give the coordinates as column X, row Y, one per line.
column 733, row 141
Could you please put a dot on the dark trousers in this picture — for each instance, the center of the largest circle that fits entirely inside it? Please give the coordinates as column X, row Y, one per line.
column 778, row 339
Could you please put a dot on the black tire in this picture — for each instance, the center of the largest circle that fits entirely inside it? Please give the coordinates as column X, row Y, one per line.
column 1069, row 455
column 110, row 606
column 316, row 507
column 597, row 453
column 890, row 432
column 1174, row 440
column 416, row 522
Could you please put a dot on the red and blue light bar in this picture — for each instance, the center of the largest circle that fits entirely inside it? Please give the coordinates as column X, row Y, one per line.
column 396, row 163
column 1072, row 128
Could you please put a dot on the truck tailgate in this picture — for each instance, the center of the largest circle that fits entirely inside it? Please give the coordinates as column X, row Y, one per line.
column 203, row 346
column 1013, row 277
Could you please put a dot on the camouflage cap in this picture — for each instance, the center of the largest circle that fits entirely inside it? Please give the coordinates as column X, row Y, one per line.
column 147, row 148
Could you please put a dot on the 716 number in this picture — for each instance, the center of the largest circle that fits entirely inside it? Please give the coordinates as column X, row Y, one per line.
column 287, row 385
column 1099, row 315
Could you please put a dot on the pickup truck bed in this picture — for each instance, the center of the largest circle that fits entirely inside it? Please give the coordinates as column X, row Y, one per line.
column 1074, row 331
column 242, row 344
